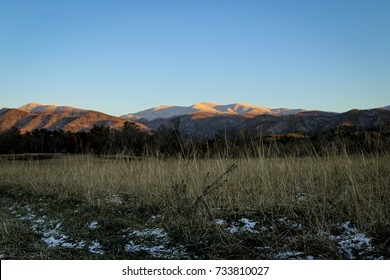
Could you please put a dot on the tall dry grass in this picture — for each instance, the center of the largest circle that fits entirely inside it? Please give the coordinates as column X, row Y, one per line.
column 314, row 188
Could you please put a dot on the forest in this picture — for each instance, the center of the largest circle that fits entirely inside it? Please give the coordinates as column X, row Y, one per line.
column 167, row 141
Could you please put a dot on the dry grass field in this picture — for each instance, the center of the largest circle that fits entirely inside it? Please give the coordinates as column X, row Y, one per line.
column 85, row 207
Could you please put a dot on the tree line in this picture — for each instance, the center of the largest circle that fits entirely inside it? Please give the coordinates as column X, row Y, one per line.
column 167, row 141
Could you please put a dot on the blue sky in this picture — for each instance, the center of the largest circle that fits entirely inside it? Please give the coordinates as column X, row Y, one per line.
column 122, row 56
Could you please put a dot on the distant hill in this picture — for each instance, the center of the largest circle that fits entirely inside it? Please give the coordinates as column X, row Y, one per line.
column 308, row 122
column 206, row 119
column 36, row 116
column 167, row 111
column 203, row 119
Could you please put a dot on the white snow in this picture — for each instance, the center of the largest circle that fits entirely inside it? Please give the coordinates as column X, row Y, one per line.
column 248, row 225
column 155, row 233
column 220, row 222
column 134, row 248
column 69, row 245
column 288, row 255
column 242, row 226
column 48, row 229
column 233, row 229
column 152, row 250
column 157, row 250
column 290, row 223
column 96, row 248
column 52, row 237
column 93, row 225
column 156, row 217
column 351, row 242
column 154, row 241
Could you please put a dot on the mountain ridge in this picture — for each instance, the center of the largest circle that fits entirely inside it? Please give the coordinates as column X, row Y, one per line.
column 37, row 116
column 168, row 111
column 48, row 109
column 202, row 119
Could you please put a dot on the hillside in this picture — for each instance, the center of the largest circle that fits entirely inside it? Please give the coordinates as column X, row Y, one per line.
column 308, row 122
column 236, row 109
column 36, row 116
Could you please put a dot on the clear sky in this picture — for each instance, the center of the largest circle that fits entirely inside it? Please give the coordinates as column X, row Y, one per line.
column 122, row 56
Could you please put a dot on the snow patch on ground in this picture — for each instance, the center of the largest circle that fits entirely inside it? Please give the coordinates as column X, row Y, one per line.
column 244, row 225
column 51, row 231
column 157, row 250
column 96, row 248
column 51, row 236
column 157, row 233
column 93, row 225
column 77, row 245
column 352, row 243
column 156, row 217
column 154, row 241
column 286, row 221
column 288, row 255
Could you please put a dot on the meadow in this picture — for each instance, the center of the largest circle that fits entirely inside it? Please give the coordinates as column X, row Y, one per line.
column 333, row 206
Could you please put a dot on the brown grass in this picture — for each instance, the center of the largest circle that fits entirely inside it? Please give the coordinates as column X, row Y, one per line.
column 319, row 192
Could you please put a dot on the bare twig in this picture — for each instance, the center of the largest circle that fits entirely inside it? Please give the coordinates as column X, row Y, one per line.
column 210, row 188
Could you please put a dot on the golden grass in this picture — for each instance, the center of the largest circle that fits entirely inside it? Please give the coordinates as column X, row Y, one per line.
column 316, row 187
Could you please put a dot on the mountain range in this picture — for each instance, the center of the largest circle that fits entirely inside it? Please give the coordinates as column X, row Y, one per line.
column 207, row 109
column 203, row 119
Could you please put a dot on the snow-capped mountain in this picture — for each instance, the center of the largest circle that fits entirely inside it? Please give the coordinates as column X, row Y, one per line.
column 167, row 111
